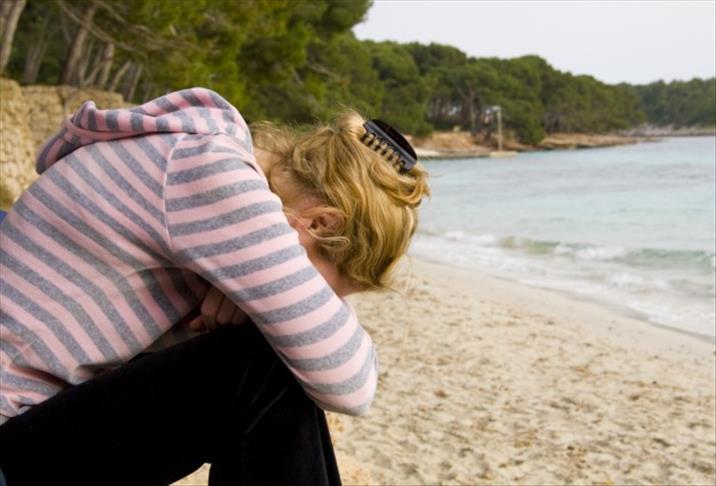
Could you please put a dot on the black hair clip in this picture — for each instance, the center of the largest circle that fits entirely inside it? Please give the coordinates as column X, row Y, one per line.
column 385, row 139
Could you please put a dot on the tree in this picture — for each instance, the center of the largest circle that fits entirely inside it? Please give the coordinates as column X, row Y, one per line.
column 10, row 11
column 678, row 103
column 435, row 63
column 433, row 56
column 344, row 70
column 405, row 92
column 296, row 71
column 296, row 61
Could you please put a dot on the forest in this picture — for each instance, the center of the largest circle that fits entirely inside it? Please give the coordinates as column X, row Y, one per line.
column 297, row 61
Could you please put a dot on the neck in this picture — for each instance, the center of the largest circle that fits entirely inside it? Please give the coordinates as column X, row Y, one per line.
column 263, row 158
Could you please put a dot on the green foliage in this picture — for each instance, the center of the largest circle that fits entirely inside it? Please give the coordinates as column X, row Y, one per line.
column 297, row 61
column 405, row 91
column 679, row 103
column 428, row 57
column 293, row 66
column 349, row 81
column 38, row 29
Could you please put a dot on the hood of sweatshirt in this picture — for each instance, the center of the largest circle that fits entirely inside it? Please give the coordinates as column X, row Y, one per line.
column 194, row 111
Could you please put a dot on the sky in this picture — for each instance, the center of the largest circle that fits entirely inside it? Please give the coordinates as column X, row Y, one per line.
column 615, row 41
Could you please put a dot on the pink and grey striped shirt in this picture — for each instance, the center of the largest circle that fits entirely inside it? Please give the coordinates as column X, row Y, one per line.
column 136, row 213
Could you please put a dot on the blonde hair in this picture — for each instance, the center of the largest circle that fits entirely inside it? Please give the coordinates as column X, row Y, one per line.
column 375, row 204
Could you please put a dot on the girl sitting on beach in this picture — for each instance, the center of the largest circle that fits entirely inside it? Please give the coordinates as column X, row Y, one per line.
column 140, row 215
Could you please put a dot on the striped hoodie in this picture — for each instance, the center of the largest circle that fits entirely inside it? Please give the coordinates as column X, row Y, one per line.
column 136, row 213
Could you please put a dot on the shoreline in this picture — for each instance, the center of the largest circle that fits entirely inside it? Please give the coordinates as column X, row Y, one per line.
column 458, row 145
column 615, row 308
column 631, row 321
column 455, row 145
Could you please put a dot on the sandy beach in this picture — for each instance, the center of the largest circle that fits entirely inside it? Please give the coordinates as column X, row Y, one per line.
column 486, row 381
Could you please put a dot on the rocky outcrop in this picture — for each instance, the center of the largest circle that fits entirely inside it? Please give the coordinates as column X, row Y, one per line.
column 47, row 106
column 584, row 140
column 28, row 116
column 445, row 145
column 449, row 144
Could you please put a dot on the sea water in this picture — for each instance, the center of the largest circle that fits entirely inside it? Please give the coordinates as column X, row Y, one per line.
column 630, row 226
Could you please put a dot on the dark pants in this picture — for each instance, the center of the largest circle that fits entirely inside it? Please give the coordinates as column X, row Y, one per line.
column 223, row 398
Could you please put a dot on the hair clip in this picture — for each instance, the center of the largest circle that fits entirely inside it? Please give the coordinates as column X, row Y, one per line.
column 386, row 140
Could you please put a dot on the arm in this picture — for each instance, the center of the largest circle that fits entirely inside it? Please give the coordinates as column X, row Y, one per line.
column 218, row 310
column 225, row 224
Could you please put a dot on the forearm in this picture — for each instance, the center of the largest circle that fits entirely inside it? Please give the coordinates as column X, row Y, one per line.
column 231, row 230
column 335, row 361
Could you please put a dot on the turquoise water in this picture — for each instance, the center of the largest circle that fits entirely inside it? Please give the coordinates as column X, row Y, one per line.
column 631, row 226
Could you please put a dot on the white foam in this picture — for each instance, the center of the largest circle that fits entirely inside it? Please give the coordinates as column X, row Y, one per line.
column 636, row 283
column 455, row 235
column 596, row 277
column 600, row 253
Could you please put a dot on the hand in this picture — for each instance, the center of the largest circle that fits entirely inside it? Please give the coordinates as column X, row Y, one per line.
column 217, row 310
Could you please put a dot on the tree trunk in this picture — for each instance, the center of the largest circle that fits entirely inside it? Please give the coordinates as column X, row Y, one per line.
column 33, row 61
column 10, row 11
column 67, row 27
column 107, row 60
column 473, row 118
column 88, row 59
column 34, row 56
column 131, row 86
column 94, row 66
column 74, row 54
column 119, row 75
column 477, row 109
column 469, row 116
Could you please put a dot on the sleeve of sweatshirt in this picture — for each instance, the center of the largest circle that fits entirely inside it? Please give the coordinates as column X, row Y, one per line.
column 225, row 224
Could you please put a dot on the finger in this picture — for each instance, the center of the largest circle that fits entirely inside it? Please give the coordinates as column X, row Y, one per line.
column 197, row 324
column 226, row 311
column 210, row 307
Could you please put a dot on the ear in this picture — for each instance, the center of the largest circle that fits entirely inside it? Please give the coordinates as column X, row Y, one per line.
column 328, row 220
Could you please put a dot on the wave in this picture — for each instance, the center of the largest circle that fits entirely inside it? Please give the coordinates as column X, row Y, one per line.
column 659, row 258
column 670, row 287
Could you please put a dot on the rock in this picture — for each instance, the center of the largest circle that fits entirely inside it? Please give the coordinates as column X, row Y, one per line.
column 49, row 105
column 446, row 143
column 583, row 140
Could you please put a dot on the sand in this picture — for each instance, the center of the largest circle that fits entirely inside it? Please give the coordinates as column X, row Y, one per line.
column 485, row 381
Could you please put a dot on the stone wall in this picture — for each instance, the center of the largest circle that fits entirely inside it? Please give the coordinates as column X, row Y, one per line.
column 16, row 146
column 29, row 115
